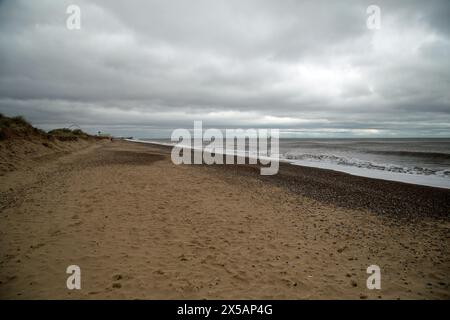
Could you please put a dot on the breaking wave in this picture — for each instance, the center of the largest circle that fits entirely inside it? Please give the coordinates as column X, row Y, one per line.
column 357, row 163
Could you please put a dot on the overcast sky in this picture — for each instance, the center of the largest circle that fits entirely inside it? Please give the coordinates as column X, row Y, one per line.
column 311, row 68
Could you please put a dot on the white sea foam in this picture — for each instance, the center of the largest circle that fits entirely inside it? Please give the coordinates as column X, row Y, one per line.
column 371, row 165
column 419, row 179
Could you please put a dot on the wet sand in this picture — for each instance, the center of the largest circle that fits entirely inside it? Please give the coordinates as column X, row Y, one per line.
column 141, row 227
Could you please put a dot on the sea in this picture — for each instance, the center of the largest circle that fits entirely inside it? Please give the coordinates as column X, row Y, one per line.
column 422, row 161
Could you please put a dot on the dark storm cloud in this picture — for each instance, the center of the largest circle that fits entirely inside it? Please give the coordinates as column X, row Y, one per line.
column 310, row 66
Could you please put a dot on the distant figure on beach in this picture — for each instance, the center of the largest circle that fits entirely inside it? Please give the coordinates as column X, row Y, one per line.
column 105, row 135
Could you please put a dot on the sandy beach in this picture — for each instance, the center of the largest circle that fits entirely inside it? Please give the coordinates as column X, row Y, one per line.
column 141, row 227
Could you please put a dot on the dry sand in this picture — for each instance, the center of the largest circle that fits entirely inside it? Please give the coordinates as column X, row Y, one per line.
column 140, row 227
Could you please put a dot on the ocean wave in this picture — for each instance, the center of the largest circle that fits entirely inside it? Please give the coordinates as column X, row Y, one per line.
column 416, row 154
column 358, row 163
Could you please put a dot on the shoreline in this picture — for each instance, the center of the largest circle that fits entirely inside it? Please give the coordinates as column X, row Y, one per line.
column 415, row 179
column 343, row 189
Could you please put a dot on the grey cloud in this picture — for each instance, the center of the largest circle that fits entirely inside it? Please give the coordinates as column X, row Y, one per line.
column 288, row 64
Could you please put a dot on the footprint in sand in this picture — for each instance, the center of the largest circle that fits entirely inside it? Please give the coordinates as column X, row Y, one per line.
column 36, row 246
column 75, row 224
column 117, row 285
column 117, row 277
